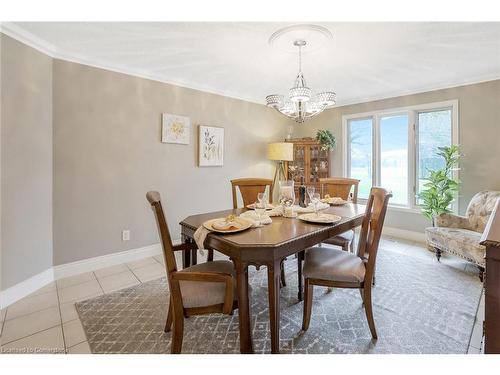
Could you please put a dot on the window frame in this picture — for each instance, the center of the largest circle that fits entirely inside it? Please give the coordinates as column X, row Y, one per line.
column 412, row 113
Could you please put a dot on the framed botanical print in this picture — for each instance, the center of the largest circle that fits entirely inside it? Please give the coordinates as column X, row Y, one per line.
column 175, row 129
column 211, row 146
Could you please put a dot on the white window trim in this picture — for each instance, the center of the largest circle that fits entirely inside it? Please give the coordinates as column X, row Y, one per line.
column 412, row 149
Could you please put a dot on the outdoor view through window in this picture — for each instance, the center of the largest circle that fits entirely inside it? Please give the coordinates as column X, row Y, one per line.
column 378, row 151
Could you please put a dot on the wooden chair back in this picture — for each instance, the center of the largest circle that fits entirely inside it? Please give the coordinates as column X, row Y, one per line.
column 249, row 188
column 371, row 229
column 166, row 241
column 340, row 187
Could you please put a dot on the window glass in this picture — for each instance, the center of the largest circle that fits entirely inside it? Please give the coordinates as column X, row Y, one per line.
column 360, row 141
column 434, row 130
column 394, row 157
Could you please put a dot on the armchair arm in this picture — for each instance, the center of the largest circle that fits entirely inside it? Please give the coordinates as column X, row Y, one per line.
column 452, row 221
column 185, row 246
column 211, row 277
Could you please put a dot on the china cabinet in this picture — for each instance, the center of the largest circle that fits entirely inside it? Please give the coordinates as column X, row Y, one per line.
column 309, row 161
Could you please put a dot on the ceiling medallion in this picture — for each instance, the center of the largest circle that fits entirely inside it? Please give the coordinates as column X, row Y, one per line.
column 301, row 104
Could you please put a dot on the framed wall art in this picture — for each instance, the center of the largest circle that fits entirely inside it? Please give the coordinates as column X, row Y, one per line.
column 211, row 146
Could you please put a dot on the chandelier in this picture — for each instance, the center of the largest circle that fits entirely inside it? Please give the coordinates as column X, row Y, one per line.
column 301, row 104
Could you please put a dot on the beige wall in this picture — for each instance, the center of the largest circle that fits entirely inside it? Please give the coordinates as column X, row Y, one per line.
column 108, row 154
column 26, row 162
column 479, row 132
column 93, row 136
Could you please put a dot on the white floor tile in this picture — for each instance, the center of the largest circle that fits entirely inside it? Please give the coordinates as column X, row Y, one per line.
column 159, row 259
column 141, row 263
column 51, row 287
column 118, row 281
column 47, row 341
column 73, row 333
column 31, row 304
column 75, row 280
column 477, row 336
column 68, row 312
column 29, row 324
column 113, row 270
column 80, row 292
column 473, row 350
column 151, row 272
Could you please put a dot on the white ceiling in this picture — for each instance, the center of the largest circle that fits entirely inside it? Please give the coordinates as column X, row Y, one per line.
column 365, row 61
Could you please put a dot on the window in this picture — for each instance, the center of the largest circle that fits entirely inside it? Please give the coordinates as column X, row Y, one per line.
column 434, row 130
column 397, row 148
column 361, row 154
column 394, row 156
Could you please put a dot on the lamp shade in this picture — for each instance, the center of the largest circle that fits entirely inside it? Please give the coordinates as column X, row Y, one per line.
column 280, row 151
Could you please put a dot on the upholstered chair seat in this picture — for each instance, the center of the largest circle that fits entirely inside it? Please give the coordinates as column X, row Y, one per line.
column 333, row 265
column 461, row 242
column 202, row 293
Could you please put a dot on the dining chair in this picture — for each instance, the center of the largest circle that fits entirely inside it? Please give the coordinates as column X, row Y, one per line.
column 340, row 269
column 201, row 289
column 249, row 189
column 341, row 187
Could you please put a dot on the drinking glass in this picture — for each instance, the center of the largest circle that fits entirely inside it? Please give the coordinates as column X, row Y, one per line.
column 260, row 199
column 287, row 194
column 310, row 192
column 260, row 210
column 315, row 201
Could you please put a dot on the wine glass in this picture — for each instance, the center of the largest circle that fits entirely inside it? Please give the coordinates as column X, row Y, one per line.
column 315, row 201
column 310, row 192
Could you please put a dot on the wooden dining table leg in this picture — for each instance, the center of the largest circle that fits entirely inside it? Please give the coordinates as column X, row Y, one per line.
column 273, row 282
column 246, row 346
column 300, row 259
column 186, row 254
column 194, row 257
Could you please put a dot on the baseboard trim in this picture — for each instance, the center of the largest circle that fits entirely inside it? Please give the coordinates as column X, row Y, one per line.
column 31, row 285
column 25, row 288
column 91, row 264
column 404, row 234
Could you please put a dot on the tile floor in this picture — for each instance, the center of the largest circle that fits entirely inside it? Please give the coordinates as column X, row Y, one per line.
column 47, row 322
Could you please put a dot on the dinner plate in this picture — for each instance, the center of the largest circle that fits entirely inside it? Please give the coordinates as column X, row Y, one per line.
column 320, row 219
column 245, row 224
column 269, row 206
column 334, row 202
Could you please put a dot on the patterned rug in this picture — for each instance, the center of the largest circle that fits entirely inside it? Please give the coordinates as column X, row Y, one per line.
column 420, row 306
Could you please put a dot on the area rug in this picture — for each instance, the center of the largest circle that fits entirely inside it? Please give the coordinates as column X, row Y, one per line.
column 420, row 306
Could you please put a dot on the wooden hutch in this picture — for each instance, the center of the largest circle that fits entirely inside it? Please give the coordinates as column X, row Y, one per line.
column 309, row 161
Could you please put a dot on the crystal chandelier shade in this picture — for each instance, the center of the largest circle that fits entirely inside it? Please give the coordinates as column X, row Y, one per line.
column 301, row 104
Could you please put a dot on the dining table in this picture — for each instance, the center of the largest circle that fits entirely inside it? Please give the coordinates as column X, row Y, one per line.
column 267, row 246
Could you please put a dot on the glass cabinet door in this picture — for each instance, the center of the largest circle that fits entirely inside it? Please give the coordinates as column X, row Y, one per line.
column 318, row 164
column 296, row 168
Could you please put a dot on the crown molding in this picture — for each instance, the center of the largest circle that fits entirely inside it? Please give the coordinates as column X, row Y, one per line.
column 23, row 36
column 31, row 40
column 420, row 90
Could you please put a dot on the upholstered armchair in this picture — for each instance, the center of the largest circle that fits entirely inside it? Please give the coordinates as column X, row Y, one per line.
column 460, row 235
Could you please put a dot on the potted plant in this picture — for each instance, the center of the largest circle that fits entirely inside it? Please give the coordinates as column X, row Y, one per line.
column 326, row 139
column 440, row 189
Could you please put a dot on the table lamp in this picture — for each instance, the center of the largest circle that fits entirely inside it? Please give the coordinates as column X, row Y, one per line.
column 280, row 152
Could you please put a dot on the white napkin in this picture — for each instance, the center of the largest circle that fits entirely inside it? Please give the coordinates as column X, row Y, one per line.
column 199, row 237
column 276, row 211
column 254, row 218
column 310, row 208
